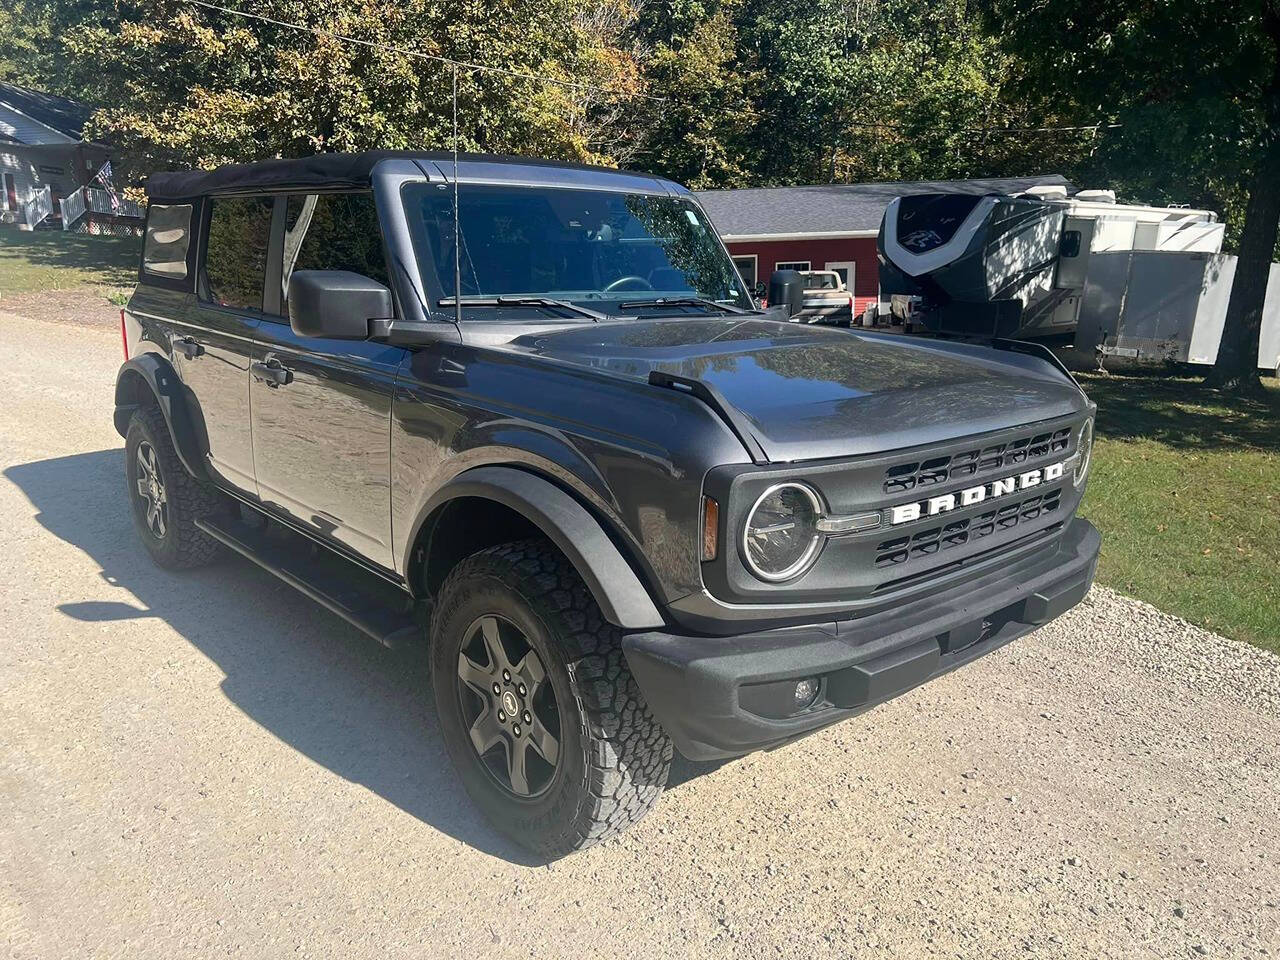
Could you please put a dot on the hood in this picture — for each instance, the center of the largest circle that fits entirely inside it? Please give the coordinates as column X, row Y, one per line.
column 813, row 392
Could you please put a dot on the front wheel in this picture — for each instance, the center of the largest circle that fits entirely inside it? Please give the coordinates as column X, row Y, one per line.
column 539, row 712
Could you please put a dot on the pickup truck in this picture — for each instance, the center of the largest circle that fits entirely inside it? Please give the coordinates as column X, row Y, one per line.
column 826, row 299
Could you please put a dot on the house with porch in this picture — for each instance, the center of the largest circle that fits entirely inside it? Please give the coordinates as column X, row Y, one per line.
column 50, row 176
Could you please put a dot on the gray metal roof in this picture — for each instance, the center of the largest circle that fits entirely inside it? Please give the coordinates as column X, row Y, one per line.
column 58, row 113
column 836, row 208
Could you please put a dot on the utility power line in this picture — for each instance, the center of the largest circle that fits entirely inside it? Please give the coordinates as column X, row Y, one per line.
column 942, row 131
column 434, row 58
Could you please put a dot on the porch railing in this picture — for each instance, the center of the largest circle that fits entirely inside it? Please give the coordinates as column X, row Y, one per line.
column 73, row 208
column 38, row 208
column 92, row 200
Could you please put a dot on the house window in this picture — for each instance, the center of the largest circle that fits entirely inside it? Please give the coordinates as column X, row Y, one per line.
column 792, row 265
column 746, row 264
column 846, row 270
column 10, row 192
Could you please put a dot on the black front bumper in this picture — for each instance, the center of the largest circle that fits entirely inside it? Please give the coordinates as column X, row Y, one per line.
column 726, row 696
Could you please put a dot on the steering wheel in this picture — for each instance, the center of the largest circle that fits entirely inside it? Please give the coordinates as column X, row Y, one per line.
column 631, row 282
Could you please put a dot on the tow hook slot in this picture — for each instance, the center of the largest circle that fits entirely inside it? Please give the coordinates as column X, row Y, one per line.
column 965, row 636
column 884, row 676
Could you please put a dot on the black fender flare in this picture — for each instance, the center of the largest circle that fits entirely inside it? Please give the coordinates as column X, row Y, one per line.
column 612, row 580
column 186, row 427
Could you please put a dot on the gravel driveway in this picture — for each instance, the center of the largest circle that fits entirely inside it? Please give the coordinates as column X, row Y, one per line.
column 208, row 764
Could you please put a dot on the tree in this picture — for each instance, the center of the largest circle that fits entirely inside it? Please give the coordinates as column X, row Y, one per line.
column 697, row 133
column 752, row 91
column 1195, row 87
column 177, row 85
column 28, row 42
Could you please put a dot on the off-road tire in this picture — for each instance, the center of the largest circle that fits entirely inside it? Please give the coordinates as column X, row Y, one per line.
column 614, row 755
column 184, row 545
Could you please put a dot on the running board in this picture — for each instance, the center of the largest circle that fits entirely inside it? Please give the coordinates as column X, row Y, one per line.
column 362, row 599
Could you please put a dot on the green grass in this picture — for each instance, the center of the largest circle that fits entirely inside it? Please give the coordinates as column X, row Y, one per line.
column 1185, row 488
column 52, row 260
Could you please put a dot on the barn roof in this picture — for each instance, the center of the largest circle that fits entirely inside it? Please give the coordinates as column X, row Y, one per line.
column 836, row 209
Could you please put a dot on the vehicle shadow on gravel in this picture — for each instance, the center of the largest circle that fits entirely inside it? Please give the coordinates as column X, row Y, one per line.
column 304, row 674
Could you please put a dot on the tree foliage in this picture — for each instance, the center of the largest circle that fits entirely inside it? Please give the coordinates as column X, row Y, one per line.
column 176, row 84
column 744, row 91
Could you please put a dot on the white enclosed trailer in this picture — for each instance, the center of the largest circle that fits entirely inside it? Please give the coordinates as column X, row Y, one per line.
column 1151, row 308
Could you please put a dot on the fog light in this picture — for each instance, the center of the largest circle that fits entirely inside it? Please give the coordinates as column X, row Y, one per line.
column 806, row 691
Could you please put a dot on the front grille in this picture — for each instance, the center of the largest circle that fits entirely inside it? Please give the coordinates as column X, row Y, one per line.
column 962, row 560
column 954, row 541
column 973, row 463
column 890, row 553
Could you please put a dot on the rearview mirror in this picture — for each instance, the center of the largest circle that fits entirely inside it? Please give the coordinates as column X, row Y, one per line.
column 336, row 303
column 786, row 290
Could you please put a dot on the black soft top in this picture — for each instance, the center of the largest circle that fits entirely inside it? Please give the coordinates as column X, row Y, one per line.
column 323, row 170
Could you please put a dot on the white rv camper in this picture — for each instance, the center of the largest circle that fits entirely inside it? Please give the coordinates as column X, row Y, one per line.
column 1019, row 265
column 1112, row 250
column 1149, row 284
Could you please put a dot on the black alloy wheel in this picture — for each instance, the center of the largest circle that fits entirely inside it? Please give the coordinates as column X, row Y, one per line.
column 509, row 706
column 539, row 713
column 150, row 486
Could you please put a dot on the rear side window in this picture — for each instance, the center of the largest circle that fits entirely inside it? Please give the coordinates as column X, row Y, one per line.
column 164, row 251
column 235, row 256
column 332, row 231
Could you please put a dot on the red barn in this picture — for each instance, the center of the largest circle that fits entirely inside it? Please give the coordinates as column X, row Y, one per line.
column 825, row 227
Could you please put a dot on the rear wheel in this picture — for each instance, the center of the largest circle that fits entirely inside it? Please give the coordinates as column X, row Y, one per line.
column 539, row 712
column 165, row 498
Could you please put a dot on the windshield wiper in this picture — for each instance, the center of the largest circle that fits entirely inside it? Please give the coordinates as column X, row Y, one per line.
column 681, row 302
column 594, row 315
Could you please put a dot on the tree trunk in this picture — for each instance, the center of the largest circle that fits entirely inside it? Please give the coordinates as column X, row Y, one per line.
column 1236, row 370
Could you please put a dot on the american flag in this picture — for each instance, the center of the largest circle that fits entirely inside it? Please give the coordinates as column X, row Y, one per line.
column 104, row 176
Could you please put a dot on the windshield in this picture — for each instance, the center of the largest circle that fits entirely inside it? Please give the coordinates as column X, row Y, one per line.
column 617, row 252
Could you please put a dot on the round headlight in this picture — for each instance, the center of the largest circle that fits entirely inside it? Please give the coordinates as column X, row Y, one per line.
column 781, row 537
column 1084, row 449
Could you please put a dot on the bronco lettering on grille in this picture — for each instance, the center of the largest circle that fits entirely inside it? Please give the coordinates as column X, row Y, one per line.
column 907, row 512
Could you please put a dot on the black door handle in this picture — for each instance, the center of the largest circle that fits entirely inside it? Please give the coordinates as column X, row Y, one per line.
column 271, row 372
column 189, row 347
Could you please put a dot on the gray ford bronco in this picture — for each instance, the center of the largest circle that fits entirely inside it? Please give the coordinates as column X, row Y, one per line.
column 529, row 413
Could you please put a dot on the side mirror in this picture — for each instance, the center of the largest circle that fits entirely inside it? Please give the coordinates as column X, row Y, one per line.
column 336, row 303
column 786, row 290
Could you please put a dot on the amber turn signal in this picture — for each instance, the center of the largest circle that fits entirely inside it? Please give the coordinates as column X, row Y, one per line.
column 710, row 528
